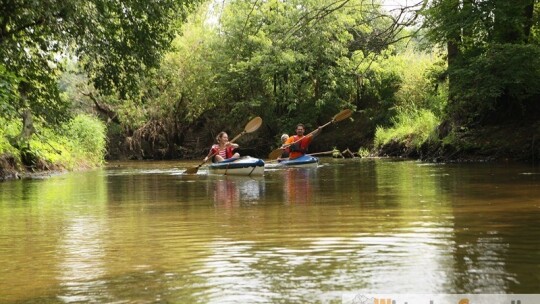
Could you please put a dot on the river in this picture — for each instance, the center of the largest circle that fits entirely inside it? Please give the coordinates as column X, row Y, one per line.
column 143, row 232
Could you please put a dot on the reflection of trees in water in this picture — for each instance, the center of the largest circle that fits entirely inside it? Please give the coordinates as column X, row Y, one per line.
column 233, row 191
column 475, row 260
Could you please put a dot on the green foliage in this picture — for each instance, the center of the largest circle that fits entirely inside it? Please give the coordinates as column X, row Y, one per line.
column 8, row 91
column 336, row 153
column 492, row 51
column 184, row 86
column 117, row 43
column 287, row 61
column 416, row 88
column 87, row 137
column 505, row 78
column 78, row 143
column 177, row 92
column 380, row 80
column 293, row 60
column 411, row 128
column 9, row 129
column 476, row 24
column 363, row 152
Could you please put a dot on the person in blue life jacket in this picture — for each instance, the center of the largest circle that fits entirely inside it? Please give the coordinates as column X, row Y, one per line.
column 301, row 142
column 223, row 149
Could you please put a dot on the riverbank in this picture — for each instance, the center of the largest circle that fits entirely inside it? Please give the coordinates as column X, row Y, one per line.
column 511, row 141
column 10, row 169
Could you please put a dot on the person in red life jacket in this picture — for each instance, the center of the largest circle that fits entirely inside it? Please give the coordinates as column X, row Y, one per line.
column 301, row 142
column 222, row 150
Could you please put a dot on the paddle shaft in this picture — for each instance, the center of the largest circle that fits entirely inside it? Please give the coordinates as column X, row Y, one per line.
column 237, row 136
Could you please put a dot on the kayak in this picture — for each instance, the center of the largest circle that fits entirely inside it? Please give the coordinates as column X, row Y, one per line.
column 246, row 166
column 304, row 161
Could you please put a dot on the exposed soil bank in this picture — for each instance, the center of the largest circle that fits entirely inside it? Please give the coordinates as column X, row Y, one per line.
column 10, row 169
column 512, row 141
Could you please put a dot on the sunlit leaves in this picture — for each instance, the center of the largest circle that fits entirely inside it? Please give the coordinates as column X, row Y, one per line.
column 117, row 43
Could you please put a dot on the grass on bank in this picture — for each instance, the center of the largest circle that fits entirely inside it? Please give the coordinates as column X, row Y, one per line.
column 411, row 128
column 80, row 143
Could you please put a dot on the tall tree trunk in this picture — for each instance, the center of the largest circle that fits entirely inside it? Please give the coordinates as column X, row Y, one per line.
column 528, row 13
column 28, row 125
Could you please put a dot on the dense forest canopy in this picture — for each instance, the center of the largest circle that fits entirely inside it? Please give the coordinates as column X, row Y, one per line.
column 114, row 42
column 287, row 61
column 166, row 76
column 492, row 50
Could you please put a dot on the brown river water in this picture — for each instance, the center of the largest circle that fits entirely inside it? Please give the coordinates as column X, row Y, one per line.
column 143, row 232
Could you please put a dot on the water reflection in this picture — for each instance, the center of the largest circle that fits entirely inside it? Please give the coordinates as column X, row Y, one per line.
column 483, row 261
column 226, row 193
column 317, row 269
column 84, row 261
column 296, row 235
column 232, row 191
column 298, row 185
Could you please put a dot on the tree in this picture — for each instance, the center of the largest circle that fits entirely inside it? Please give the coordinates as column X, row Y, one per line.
column 286, row 61
column 116, row 42
column 493, row 63
column 300, row 60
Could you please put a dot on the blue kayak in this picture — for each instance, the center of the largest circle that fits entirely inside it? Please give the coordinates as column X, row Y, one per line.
column 305, row 161
column 247, row 166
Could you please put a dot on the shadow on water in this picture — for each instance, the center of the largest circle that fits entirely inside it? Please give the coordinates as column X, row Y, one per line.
column 145, row 232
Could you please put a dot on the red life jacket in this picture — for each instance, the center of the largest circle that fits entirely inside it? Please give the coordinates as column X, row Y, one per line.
column 225, row 153
column 301, row 147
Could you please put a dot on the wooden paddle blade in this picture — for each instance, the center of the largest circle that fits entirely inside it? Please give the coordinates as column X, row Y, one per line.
column 275, row 154
column 253, row 125
column 192, row 170
column 343, row 115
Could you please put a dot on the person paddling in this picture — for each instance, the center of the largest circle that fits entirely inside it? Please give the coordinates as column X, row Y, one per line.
column 223, row 149
column 299, row 144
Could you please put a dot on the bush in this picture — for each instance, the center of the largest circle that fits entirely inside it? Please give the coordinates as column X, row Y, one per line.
column 87, row 135
column 504, row 80
column 79, row 144
column 411, row 128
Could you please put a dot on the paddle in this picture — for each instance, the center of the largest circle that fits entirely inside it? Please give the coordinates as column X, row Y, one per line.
column 338, row 117
column 251, row 126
